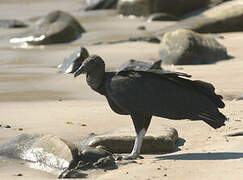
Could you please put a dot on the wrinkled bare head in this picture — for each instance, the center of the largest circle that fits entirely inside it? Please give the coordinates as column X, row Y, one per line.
column 92, row 64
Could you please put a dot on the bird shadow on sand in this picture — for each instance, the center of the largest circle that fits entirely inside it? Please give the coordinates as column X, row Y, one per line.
column 203, row 156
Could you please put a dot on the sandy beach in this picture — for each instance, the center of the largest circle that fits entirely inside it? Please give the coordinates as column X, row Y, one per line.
column 34, row 98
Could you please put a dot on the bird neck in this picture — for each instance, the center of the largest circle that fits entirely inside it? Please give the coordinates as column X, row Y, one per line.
column 95, row 78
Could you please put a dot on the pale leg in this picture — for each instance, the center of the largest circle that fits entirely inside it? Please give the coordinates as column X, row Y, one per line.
column 137, row 145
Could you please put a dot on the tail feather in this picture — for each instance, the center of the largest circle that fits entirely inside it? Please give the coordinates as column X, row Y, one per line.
column 215, row 121
column 205, row 88
column 208, row 89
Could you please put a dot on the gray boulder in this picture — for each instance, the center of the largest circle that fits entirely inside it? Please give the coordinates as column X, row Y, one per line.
column 48, row 151
column 55, row 27
column 18, row 145
column 74, row 61
column 147, row 7
column 53, row 151
column 121, row 141
column 226, row 17
column 183, row 47
column 101, row 4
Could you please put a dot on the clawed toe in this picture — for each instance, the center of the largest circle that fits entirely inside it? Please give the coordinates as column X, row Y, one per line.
column 128, row 157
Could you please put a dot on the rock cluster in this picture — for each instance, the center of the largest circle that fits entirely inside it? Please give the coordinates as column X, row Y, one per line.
column 93, row 152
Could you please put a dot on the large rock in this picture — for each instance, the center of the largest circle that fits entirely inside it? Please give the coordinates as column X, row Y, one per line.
column 182, row 47
column 55, row 27
column 147, row 7
column 121, row 141
column 18, row 145
column 226, row 17
column 48, row 151
column 101, row 4
column 74, row 61
column 52, row 151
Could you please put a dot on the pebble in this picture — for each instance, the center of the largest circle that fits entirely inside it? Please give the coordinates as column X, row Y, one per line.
column 141, row 27
column 73, row 173
column 5, row 126
column 19, row 174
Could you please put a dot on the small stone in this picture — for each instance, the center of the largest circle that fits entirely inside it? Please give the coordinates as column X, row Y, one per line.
column 20, row 129
column 19, row 174
column 83, row 124
column 69, row 122
column 5, row 126
column 92, row 155
column 152, row 39
column 106, row 162
column 73, row 173
column 158, row 168
column 165, row 174
column 162, row 17
column 141, row 28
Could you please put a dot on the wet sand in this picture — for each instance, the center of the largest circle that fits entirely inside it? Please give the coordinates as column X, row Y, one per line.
column 33, row 96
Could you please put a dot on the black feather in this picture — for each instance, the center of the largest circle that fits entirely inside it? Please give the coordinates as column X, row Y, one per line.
column 156, row 92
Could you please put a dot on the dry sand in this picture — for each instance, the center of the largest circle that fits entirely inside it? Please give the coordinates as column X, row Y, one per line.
column 39, row 100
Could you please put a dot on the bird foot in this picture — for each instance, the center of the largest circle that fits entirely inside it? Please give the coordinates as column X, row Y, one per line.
column 128, row 157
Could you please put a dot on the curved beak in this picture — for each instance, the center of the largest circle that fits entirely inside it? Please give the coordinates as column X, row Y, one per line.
column 80, row 70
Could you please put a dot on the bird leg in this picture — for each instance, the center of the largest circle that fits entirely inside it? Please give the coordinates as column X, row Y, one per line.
column 141, row 124
column 137, row 146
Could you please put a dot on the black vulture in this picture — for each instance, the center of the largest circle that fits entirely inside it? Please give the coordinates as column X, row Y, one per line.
column 154, row 92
